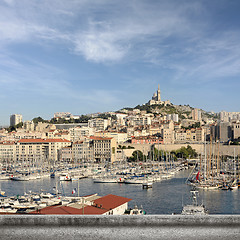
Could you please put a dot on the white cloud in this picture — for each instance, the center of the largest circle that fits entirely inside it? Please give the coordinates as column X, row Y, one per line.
column 99, row 47
column 101, row 31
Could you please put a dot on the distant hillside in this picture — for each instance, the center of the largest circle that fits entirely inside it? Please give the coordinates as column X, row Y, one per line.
column 183, row 111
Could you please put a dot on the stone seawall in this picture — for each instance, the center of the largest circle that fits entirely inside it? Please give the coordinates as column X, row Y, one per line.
column 223, row 149
column 120, row 227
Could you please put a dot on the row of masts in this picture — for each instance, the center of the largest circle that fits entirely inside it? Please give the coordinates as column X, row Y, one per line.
column 213, row 170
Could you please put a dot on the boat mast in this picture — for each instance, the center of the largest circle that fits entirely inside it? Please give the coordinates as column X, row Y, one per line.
column 218, row 160
column 205, row 159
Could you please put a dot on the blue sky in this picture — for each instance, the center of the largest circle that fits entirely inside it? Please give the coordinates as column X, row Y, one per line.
column 84, row 56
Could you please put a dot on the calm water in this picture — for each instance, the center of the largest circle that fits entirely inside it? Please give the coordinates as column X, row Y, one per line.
column 165, row 197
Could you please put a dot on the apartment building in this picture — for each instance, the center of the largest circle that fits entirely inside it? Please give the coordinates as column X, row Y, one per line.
column 236, row 130
column 79, row 133
column 180, row 136
column 229, row 116
column 196, row 114
column 15, row 119
column 98, row 123
column 7, row 151
column 168, row 136
column 66, row 155
column 140, row 120
column 200, row 135
column 168, row 132
column 40, row 148
column 82, row 151
column 28, row 125
column 104, row 149
column 155, row 130
column 118, row 136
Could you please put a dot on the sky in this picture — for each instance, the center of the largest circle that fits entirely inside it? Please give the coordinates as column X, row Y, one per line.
column 87, row 56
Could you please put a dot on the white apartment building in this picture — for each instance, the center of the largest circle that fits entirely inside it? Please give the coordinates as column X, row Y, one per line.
column 104, row 149
column 28, row 126
column 168, row 136
column 196, row 114
column 190, row 135
column 65, row 154
column 229, row 116
column 98, row 123
column 82, row 151
column 180, row 136
column 121, row 118
column 168, row 133
column 140, row 120
column 15, row 119
column 200, row 136
column 236, row 130
column 119, row 137
column 79, row 133
column 7, row 152
column 21, row 134
column 27, row 149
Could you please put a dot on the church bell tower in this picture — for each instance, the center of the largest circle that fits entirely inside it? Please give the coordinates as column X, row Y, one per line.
column 158, row 94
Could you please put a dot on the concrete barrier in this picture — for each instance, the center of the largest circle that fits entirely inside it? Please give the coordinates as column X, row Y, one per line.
column 120, row 227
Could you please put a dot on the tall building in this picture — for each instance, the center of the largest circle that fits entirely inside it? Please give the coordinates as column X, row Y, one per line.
column 222, row 132
column 15, row 119
column 196, row 114
column 236, row 130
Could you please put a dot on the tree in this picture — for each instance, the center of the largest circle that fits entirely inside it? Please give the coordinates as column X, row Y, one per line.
column 185, row 152
column 136, row 156
column 38, row 119
column 11, row 129
column 19, row 125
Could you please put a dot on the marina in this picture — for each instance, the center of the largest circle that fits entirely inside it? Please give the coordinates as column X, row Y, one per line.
column 167, row 196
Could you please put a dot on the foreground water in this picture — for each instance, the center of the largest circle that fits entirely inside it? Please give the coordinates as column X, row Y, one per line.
column 165, row 197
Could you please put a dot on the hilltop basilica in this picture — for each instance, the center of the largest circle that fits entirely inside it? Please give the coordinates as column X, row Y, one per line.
column 156, row 98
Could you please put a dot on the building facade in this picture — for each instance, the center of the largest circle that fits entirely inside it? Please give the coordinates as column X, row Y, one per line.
column 15, row 119
column 104, row 149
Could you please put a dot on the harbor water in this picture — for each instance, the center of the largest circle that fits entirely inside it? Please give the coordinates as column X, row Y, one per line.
column 165, row 197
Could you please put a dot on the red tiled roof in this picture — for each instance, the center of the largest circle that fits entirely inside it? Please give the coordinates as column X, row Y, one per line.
column 58, row 210
column 92, row 210
column 39, row 140
column 99, row 138
column 111, row 201
column 65, row 210
column 101, row 206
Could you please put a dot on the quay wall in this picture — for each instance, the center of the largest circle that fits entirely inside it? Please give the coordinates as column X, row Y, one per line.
column 120, row 227
column 223, row 149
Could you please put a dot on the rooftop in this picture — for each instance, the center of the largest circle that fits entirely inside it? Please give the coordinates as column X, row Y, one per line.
column 40, row 140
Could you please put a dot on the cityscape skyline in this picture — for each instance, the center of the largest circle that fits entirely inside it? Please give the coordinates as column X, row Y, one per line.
column 89, row 56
